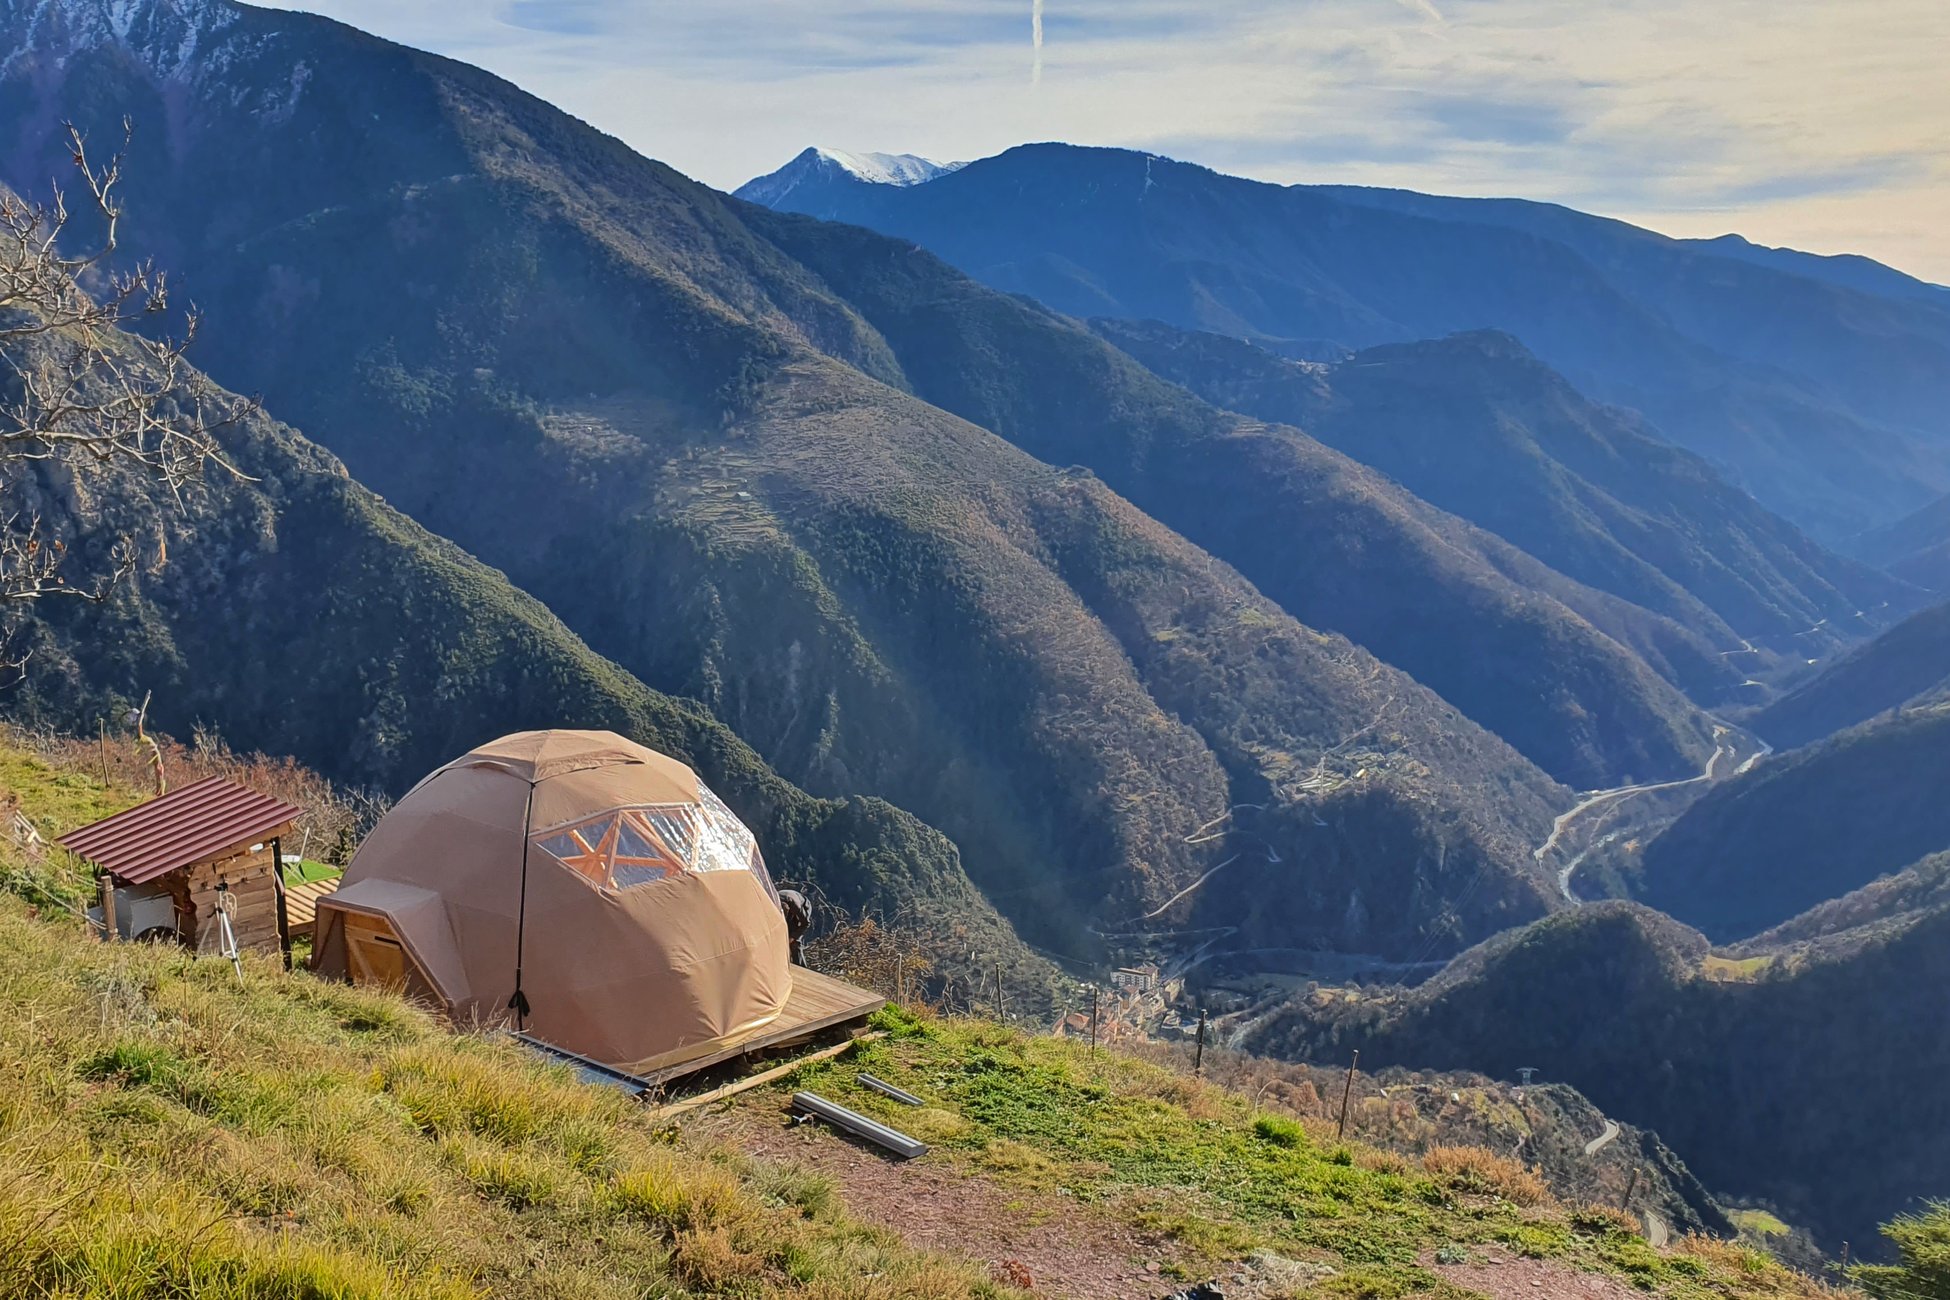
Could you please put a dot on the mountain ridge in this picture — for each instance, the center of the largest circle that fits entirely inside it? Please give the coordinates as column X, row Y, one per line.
column 1839, row 427
column 1477, row 425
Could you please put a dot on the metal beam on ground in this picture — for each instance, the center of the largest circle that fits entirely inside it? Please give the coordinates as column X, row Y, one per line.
column 859, row 1125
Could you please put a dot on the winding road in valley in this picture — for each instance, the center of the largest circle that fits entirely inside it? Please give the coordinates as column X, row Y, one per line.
column 1722, row 752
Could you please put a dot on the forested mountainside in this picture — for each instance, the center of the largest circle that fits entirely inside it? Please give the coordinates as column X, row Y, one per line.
column 1908, row 665
column 1811, row 1081
column 1477, row 425
column 1915, row 548
column 1862, row 914
column 1804, row 827
column 1826, row 401
column 718, row 462
column 294, row 612
column 1338, row 547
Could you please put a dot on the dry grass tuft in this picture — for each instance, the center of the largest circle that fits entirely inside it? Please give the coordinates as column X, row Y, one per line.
column 1472, row 1169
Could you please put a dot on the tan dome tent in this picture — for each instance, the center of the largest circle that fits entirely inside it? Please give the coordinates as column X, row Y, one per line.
column 583, row 888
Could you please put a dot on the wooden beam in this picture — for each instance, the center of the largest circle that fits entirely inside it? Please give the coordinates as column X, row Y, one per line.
column 737, row 1086
column 284, row 911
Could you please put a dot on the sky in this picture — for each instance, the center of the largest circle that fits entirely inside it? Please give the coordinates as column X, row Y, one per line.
column 1818, row 124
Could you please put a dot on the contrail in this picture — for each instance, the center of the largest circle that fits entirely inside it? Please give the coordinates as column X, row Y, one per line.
column 1036, row 41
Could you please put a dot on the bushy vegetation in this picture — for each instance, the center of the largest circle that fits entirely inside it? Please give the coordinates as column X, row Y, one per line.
column 1413, row 1112
column 1922, row 1242
column 1840, row 1049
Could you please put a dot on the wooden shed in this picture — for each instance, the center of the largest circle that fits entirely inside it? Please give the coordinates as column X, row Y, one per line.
column 165, row 863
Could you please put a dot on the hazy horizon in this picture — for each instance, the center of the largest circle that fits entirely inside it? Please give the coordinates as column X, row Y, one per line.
column 1797, row 124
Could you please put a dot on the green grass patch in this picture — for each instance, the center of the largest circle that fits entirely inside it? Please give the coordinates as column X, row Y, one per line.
column 1212, row 1173
column 307, row 871
column 1758, row 1223
column 169, row 1131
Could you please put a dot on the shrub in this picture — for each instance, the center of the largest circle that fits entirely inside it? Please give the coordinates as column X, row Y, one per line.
column 1923, row 1240
column 1280, row 1131
column 1472, row 1169
column 1598, row 1220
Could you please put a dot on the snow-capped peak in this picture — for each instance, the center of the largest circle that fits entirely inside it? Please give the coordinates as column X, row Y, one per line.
column 887, row 168
column 818, row 164
column 165, row 33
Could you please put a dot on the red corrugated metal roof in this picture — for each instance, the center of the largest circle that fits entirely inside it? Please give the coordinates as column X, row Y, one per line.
column 184, row 826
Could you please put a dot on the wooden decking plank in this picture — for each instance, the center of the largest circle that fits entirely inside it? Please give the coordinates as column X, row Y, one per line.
column 818, row 1003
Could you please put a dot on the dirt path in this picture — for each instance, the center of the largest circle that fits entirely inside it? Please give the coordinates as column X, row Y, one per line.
column 1656, row 1232
column 1066, row 1248
column 1501, row 1275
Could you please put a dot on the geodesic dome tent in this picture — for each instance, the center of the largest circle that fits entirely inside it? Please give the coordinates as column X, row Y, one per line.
column 591, row 891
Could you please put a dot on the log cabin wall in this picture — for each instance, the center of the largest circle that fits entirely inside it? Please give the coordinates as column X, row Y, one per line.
column 255, row 921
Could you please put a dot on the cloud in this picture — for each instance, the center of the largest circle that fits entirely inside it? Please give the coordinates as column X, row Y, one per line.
column 1036, row 39
column 1792, row 121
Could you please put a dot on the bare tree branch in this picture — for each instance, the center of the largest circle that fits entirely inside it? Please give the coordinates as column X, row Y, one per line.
column 76, row 388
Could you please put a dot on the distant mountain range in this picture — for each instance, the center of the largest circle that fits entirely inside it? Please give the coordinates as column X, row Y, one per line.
column 818, row 168
column 1915, row 547
column 1820, row 386
column 1477, row 425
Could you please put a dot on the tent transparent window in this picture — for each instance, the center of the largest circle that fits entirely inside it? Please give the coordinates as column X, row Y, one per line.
column 627, row 847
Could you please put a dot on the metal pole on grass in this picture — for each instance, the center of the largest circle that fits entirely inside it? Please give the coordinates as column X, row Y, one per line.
column 1347, row 1090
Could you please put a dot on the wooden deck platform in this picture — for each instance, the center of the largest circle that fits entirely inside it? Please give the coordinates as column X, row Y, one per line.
column 301, row 904
column 818, row 1003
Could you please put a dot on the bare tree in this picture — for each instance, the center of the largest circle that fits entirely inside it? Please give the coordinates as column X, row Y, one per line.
column 75, row 387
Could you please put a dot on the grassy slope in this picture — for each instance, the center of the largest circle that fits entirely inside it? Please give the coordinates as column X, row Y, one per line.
column 1207, row 1169
column 167, row 1129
